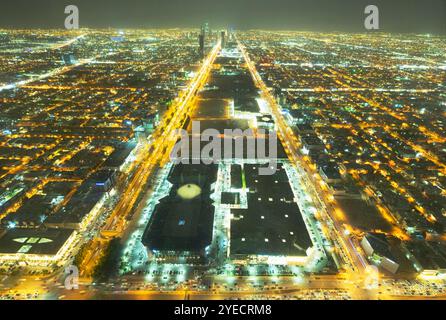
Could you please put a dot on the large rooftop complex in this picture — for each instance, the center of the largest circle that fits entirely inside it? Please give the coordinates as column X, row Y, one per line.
column 272, row 224
column 93, row 173
column 368, row 114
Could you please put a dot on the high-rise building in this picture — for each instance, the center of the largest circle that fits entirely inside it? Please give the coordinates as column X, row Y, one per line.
column 201, row 44
column 223, row 39
column 201, row 38
column 206, row 29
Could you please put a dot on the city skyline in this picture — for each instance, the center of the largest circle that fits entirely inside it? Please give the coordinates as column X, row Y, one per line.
column 213, row 162
column 399, row 16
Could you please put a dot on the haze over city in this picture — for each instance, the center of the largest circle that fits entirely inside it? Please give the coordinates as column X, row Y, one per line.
column 232, row 150
column 310, row 15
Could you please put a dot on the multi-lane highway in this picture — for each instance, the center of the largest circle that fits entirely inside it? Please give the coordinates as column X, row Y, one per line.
column 161, row 143
column 291, row 145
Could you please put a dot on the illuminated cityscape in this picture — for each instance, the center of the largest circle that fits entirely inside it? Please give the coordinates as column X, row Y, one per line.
column 96, row 202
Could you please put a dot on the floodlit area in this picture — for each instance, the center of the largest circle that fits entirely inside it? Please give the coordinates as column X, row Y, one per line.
column 261, row 226
column 196, row 163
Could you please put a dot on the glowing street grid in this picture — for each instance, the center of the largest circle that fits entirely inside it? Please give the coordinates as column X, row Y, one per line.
column 89, row 119
column 135, row 260
column 219, row 268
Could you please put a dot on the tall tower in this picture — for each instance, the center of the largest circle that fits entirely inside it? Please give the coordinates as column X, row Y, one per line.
column 201, row 44
column 206, row 29
column 202, row 38
column 223, row 39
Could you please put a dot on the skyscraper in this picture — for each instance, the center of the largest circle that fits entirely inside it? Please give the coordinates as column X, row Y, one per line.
column 223, row 40
column 206, row 28
column 201, row 44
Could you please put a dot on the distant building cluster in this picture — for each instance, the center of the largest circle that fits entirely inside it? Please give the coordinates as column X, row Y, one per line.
column 369, row 116
column 75, row 112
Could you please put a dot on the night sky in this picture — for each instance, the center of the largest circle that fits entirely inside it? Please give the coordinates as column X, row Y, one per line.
column 421, row 16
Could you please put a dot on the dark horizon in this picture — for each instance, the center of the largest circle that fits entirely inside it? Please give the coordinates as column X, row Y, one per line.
column 397, row 16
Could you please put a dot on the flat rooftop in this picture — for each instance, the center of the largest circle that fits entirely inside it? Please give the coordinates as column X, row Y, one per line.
column 183, row 220
column 212, row 108
column 33, row 241
column 80, row 205
column 121, row 152
column 272, row 224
